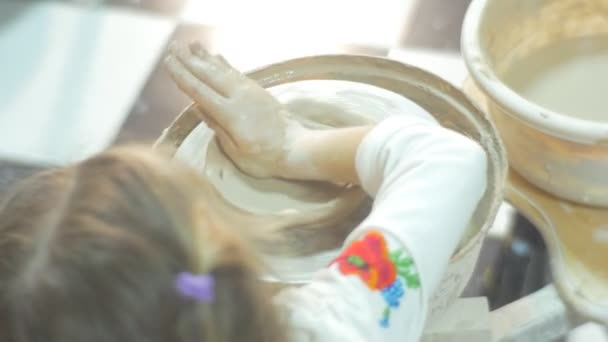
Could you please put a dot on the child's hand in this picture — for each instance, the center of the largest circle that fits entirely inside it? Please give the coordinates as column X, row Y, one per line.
column 253, row 128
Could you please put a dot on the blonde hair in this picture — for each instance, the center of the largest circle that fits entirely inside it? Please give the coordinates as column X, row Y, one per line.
column 90, row 252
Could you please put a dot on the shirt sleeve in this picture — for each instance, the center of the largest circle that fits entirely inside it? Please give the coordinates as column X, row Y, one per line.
column 426, row 182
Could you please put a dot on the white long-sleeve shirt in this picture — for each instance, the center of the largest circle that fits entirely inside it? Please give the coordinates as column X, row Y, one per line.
column 426, row 182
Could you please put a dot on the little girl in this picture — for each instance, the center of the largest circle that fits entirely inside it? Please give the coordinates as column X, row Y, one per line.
column 125, row 247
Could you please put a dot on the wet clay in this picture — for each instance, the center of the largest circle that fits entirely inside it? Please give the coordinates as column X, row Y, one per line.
column 290, row 220
column 295, row 211
column 265, row 195
column 316, row 104
column 569, row 77
column 326, row 103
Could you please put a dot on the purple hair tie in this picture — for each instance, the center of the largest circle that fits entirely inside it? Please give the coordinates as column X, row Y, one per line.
column 199, row 287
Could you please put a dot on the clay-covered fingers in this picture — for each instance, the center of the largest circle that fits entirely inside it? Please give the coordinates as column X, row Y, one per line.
column 223, row 60
column 226, row 140
column 197, row 49
column 208, row 99
column 210, row 69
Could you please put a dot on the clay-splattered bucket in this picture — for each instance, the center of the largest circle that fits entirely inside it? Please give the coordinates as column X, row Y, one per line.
column 445, row 102
column 564, row 155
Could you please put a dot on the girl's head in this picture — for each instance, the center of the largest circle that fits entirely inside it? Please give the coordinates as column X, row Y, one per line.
column 91, row 253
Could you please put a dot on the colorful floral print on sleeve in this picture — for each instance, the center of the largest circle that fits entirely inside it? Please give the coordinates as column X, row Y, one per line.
column 391, row 273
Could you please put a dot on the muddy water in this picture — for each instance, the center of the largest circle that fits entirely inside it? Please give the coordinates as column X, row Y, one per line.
column 569, row 77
